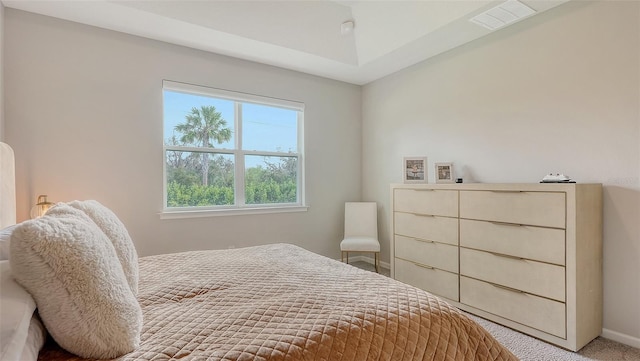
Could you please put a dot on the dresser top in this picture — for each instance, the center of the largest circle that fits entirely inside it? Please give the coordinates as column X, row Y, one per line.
column 521, row 187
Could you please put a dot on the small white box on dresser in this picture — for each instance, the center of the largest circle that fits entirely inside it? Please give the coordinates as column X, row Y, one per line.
column 528, row 256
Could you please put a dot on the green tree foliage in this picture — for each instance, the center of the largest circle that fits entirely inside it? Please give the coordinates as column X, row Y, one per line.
column 277, row 183
column 180, row 195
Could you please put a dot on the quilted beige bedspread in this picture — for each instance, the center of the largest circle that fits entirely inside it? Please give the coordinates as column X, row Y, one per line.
column 281, row 302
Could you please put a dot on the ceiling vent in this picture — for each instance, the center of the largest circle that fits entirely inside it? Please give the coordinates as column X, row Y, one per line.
column 502, row 15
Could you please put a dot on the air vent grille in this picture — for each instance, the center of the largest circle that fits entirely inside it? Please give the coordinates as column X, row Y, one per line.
column 502, row 15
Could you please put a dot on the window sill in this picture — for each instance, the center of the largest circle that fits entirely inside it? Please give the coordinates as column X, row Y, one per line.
column 182, row 214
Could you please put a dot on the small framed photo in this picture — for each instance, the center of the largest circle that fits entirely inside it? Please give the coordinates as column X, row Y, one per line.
column 415, row 170
column 444, row 173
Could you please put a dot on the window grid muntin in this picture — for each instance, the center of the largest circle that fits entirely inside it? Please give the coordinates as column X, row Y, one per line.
column 239, row 153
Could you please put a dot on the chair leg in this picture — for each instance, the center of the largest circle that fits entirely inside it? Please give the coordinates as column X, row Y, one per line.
column 376, row 261
column 342, row 253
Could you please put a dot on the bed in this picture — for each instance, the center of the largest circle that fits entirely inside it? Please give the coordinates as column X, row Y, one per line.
column 277, row 302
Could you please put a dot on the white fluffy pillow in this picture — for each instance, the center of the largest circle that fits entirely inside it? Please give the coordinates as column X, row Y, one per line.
column 72, row 271
column 117, row 233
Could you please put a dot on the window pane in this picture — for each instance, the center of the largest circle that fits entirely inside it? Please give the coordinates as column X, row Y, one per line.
column 211, row 134
column 271, row 179
column 199, row 179
column 201, row 120
column 269, row 129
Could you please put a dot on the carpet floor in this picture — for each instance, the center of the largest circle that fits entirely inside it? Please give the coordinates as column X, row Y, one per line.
column 527, row 348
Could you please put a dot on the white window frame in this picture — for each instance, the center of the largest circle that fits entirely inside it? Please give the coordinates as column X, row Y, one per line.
column 239, row 154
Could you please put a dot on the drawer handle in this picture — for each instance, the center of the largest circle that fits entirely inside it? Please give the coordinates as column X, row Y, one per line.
column 422, row 190
column 423, row 215
column 506, row 288
column 423, row 240
column 506, row 224
column 505, row 191
column 422, row 265
column 506, row 256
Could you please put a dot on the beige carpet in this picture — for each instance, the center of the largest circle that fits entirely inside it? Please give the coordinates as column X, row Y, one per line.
column 527, row 348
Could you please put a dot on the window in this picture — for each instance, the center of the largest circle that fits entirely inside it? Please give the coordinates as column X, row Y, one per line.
column 228, row 151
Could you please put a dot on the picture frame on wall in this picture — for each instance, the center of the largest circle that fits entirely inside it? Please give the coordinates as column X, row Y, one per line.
column 444, row 172
column 414, row 170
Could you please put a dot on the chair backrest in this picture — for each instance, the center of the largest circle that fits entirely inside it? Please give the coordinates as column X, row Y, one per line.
column 361, row 219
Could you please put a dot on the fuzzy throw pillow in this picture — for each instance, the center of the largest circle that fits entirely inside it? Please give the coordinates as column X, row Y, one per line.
column 72, row 271
column 115, row 230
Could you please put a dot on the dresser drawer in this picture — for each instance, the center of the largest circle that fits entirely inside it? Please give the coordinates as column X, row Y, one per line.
column 438, row 255
column 534, row 277
column 537, row 312
column 536, row 243
column 426, row 201
column 438, row 282
column 545, row 209
column 428, row 228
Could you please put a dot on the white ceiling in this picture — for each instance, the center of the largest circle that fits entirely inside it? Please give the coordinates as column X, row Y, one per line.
column 301, row 35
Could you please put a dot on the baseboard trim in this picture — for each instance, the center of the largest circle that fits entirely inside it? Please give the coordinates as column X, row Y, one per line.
column 621, row 337
column 369, row 260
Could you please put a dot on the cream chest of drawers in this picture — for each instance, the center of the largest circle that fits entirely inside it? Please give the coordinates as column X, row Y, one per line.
column 528, row 256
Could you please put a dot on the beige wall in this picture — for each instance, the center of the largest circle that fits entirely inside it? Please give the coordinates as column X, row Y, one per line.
column 1, row 72
column 556, row 93
column 84, row 116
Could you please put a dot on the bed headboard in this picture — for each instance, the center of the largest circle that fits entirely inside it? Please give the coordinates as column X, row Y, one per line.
column 7, row 186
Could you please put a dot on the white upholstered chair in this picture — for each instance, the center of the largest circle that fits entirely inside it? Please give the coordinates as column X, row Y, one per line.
column 361, row 230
